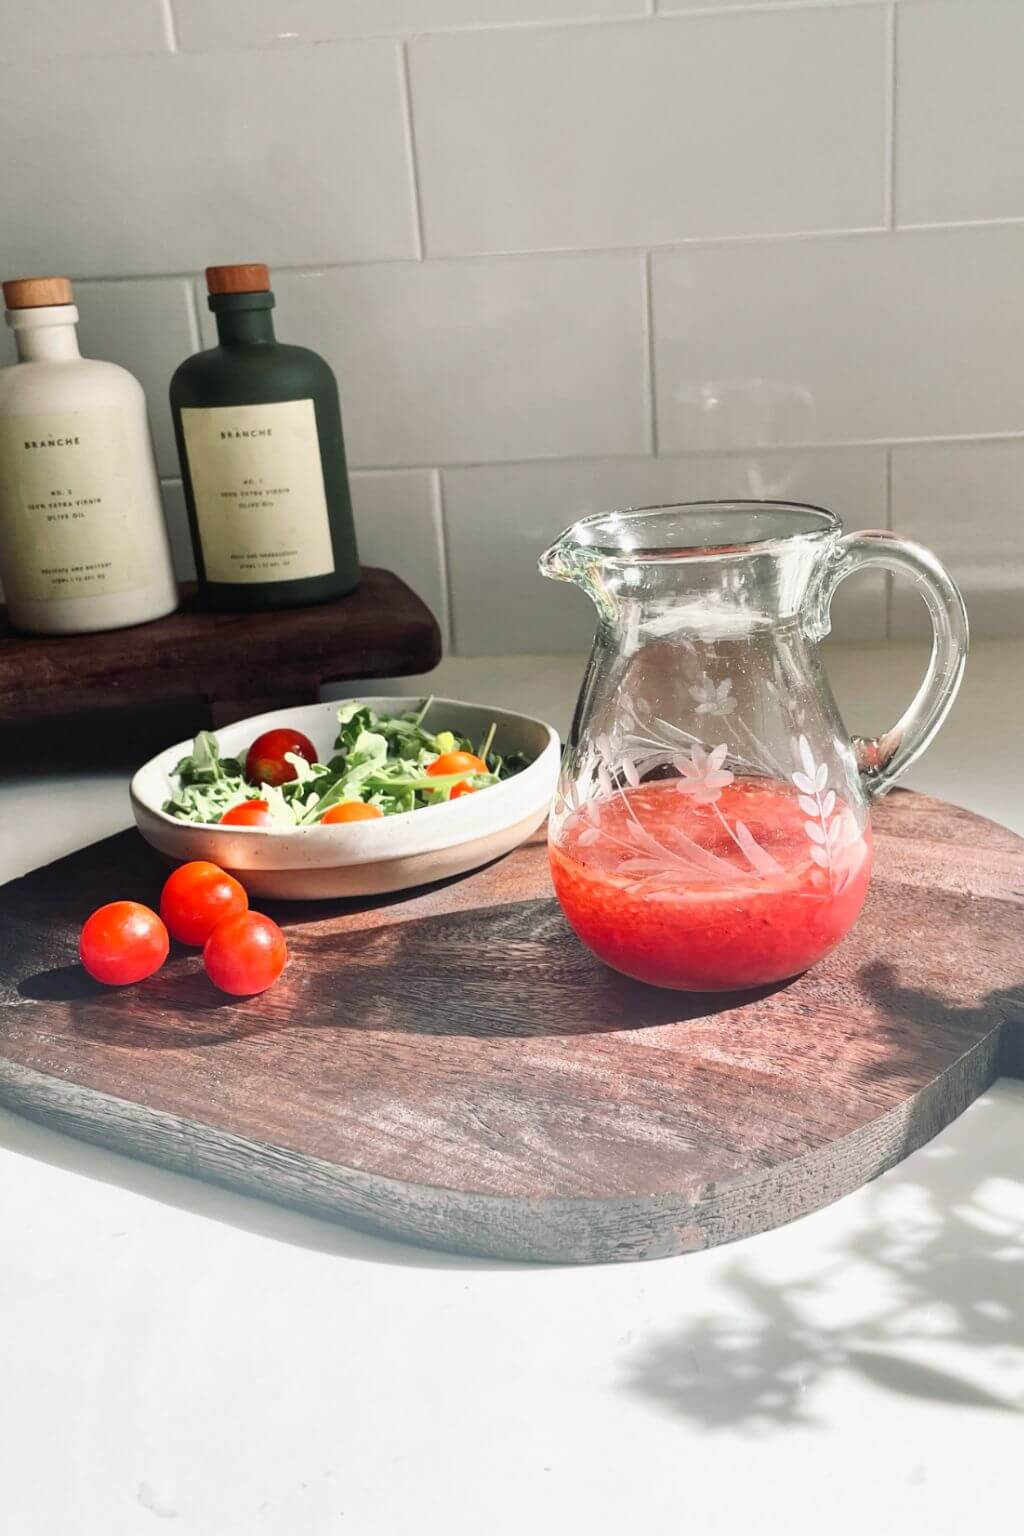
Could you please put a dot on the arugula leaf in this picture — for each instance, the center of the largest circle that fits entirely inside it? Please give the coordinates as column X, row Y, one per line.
column 353, row 719
column 204, row 764
column 280, row 808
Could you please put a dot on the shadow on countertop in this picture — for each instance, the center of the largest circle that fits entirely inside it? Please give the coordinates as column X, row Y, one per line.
column 939, row 1260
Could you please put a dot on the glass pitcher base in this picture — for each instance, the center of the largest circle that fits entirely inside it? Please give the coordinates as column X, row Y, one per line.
column 724, row 894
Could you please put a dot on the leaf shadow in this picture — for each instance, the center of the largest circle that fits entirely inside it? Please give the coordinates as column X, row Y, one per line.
column 949, row 1274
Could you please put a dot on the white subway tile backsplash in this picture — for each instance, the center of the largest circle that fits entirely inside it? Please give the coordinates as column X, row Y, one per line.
column 862, row 338
column 50, row 28
column 398, row 525
column 173, row 494
column 651, row 132
column 448, row 362
column 960, row 125
column 264, row 23
column 966, row 502
column 172, row 162
column 146, row 327
column 534, row 152
column 499, row 519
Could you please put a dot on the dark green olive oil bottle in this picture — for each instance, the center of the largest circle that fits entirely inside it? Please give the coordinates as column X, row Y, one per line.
column 262, row 459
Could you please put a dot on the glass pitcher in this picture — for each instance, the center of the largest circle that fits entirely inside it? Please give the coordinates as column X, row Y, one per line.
column 711, row 828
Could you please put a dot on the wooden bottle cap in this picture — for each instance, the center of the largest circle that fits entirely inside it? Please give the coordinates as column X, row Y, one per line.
column 248, row 277
column 36, row 292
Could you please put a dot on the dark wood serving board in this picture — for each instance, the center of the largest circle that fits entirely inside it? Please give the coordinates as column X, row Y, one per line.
column 382, row 629
column 451, row 1066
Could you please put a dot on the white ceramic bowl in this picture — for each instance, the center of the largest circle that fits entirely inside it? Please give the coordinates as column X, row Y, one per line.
column 362, row 858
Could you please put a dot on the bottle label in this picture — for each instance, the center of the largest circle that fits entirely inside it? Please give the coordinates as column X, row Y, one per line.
column 67, row 524
column 258, row 487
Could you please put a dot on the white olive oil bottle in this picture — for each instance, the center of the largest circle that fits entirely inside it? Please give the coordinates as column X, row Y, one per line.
column 83, row 543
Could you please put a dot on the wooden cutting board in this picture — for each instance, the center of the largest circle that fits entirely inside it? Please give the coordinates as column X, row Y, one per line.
column 451, row 1066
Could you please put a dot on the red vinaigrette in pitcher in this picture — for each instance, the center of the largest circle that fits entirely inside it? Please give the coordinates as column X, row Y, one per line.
column 710, row 882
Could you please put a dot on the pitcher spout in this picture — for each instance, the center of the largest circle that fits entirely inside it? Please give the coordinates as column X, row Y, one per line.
column 557, row 562
column 571, row 558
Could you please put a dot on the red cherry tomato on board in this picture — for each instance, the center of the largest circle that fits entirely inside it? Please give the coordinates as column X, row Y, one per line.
column 265, row 762
column 123, row 942
column 463, row 788
column 457, row 762
column 352, row 810
column 196, row 897
column 248, row 813
column 245, row 954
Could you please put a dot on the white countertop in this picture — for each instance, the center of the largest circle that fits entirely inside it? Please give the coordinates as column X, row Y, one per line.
column 170, row 1352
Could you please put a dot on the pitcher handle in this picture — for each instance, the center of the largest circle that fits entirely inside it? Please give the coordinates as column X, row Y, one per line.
column 882, row 759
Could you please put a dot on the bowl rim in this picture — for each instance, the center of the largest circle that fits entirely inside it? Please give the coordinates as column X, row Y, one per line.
column 339, row 831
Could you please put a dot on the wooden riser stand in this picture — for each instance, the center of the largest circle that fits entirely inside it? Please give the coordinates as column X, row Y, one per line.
column 235, row 664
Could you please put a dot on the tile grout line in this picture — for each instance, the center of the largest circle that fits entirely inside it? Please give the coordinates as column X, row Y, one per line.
column 680, row 247
column 379, row 471
column 410, row 147
column 757, row 450
column 665, row 16
column 194, row 318
column 890, row 580
column 891, row 100
column 437, row 496
column 665, row 9
column 170, row 25
column 650, row 390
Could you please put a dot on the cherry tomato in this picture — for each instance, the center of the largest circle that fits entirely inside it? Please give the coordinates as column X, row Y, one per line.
column 352, row 810
column 248, row 813
column 463, row 788
column 265, row 762
column 457, row 762
column 245, row 954
column 123, row 942
column 195, row 899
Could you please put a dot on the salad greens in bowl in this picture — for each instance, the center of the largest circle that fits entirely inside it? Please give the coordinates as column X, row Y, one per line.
column 351, row 798
column 389, row 762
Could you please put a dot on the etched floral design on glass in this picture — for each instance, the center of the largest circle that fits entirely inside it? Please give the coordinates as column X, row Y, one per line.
column 702, row 774
column 713, row 698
